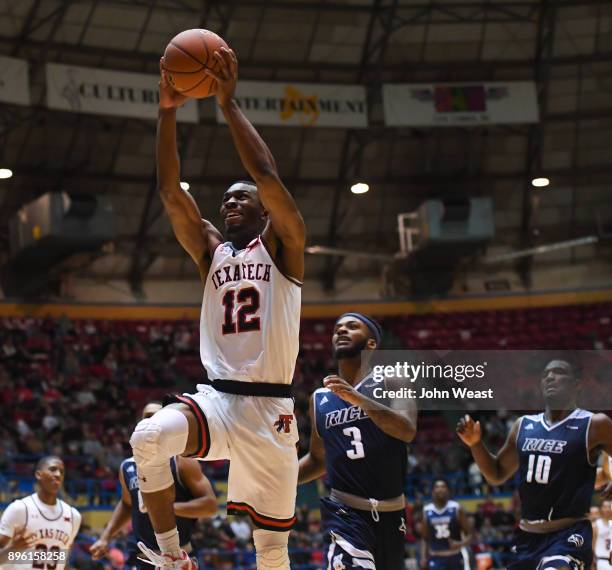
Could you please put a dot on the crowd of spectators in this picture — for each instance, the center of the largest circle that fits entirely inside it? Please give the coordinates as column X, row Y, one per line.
column 74, row 388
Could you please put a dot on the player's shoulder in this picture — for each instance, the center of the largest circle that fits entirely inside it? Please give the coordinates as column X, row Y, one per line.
column 580, row 414
column 529, row 417
column 321, row 396
column 453, row 505
column 127, row 462
column 428, row 507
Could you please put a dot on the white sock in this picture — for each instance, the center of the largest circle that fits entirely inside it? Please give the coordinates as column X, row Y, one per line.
column 169, row 542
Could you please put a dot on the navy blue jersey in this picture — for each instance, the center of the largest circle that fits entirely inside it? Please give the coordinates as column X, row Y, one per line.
column 442, row 525
column 360, row 458
column 556, row 476
column 141, row 524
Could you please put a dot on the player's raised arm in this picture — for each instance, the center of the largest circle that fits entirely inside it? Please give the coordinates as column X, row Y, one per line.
column 497, row 469
column 204, row 502
column 197, row 236
column 286, row 233
column 312, row 465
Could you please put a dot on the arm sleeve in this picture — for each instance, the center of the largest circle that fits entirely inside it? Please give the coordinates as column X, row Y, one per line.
column 14, row 517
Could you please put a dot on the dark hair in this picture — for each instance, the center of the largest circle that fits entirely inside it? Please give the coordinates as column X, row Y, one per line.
column 43, row 461
column 374, row 328
column 570, row 358
column 440, row 480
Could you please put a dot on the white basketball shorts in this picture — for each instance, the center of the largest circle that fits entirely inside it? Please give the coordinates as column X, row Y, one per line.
column 259, row 436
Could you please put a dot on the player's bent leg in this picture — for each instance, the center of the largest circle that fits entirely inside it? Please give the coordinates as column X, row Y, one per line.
column 271, row 549
column 155, row 440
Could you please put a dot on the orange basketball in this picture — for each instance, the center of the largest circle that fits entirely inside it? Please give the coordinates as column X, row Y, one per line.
column 187, row 56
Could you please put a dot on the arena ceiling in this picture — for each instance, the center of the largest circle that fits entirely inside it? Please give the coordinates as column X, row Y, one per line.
column 565, row 45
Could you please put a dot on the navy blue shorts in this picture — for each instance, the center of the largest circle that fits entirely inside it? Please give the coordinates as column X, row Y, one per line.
column 571, row 547
column 354, row 540
column 454, row 562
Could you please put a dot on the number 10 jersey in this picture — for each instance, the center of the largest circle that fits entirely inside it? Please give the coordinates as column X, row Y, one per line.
column 556, row 477
column 250, row 320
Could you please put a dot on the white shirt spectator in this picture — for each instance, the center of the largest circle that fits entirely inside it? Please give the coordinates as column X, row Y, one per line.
column 241, row 529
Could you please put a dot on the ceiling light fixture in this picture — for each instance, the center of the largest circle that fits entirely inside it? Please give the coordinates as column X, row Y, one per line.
column 185, row 185
column 6, row 173
column 359, row 188
column 540, row 182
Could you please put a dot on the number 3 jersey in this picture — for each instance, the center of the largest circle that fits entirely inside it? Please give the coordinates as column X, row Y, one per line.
column 556, row 477
column 360, row 458
column 250, row 319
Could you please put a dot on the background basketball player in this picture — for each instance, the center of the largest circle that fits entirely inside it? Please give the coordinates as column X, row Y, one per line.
column 556, row 453
column 444, row 522
column 361, row 444
column 49, row 524
column 602, row 537
column 195, row 498
column 248, row 340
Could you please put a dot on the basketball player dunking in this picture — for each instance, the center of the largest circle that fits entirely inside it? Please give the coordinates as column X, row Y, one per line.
column 248, row 341
column 556, row 454
column 48, row 524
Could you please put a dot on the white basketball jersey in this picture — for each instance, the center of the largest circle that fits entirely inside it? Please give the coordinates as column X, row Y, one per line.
column 54, row 532
column 603, row 544
column 250, row 320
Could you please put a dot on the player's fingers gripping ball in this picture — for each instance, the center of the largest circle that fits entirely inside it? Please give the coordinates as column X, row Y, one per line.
column 187, row 59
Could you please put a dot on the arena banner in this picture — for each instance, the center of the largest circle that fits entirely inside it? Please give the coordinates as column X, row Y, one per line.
column 301, row 104
column 470, row 380
column 458, row 104
column 14, row 81
column 104, row 92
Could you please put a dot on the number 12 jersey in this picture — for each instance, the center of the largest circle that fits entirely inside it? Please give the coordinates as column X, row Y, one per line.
column 250, row 320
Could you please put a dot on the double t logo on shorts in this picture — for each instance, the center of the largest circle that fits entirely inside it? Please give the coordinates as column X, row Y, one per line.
column 283, row 423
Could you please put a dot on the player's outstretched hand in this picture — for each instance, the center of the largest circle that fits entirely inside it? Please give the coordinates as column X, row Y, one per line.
column 469, row 431
column 342, row 389
column 227, row 75
column 99, row 549
column 169, row 98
